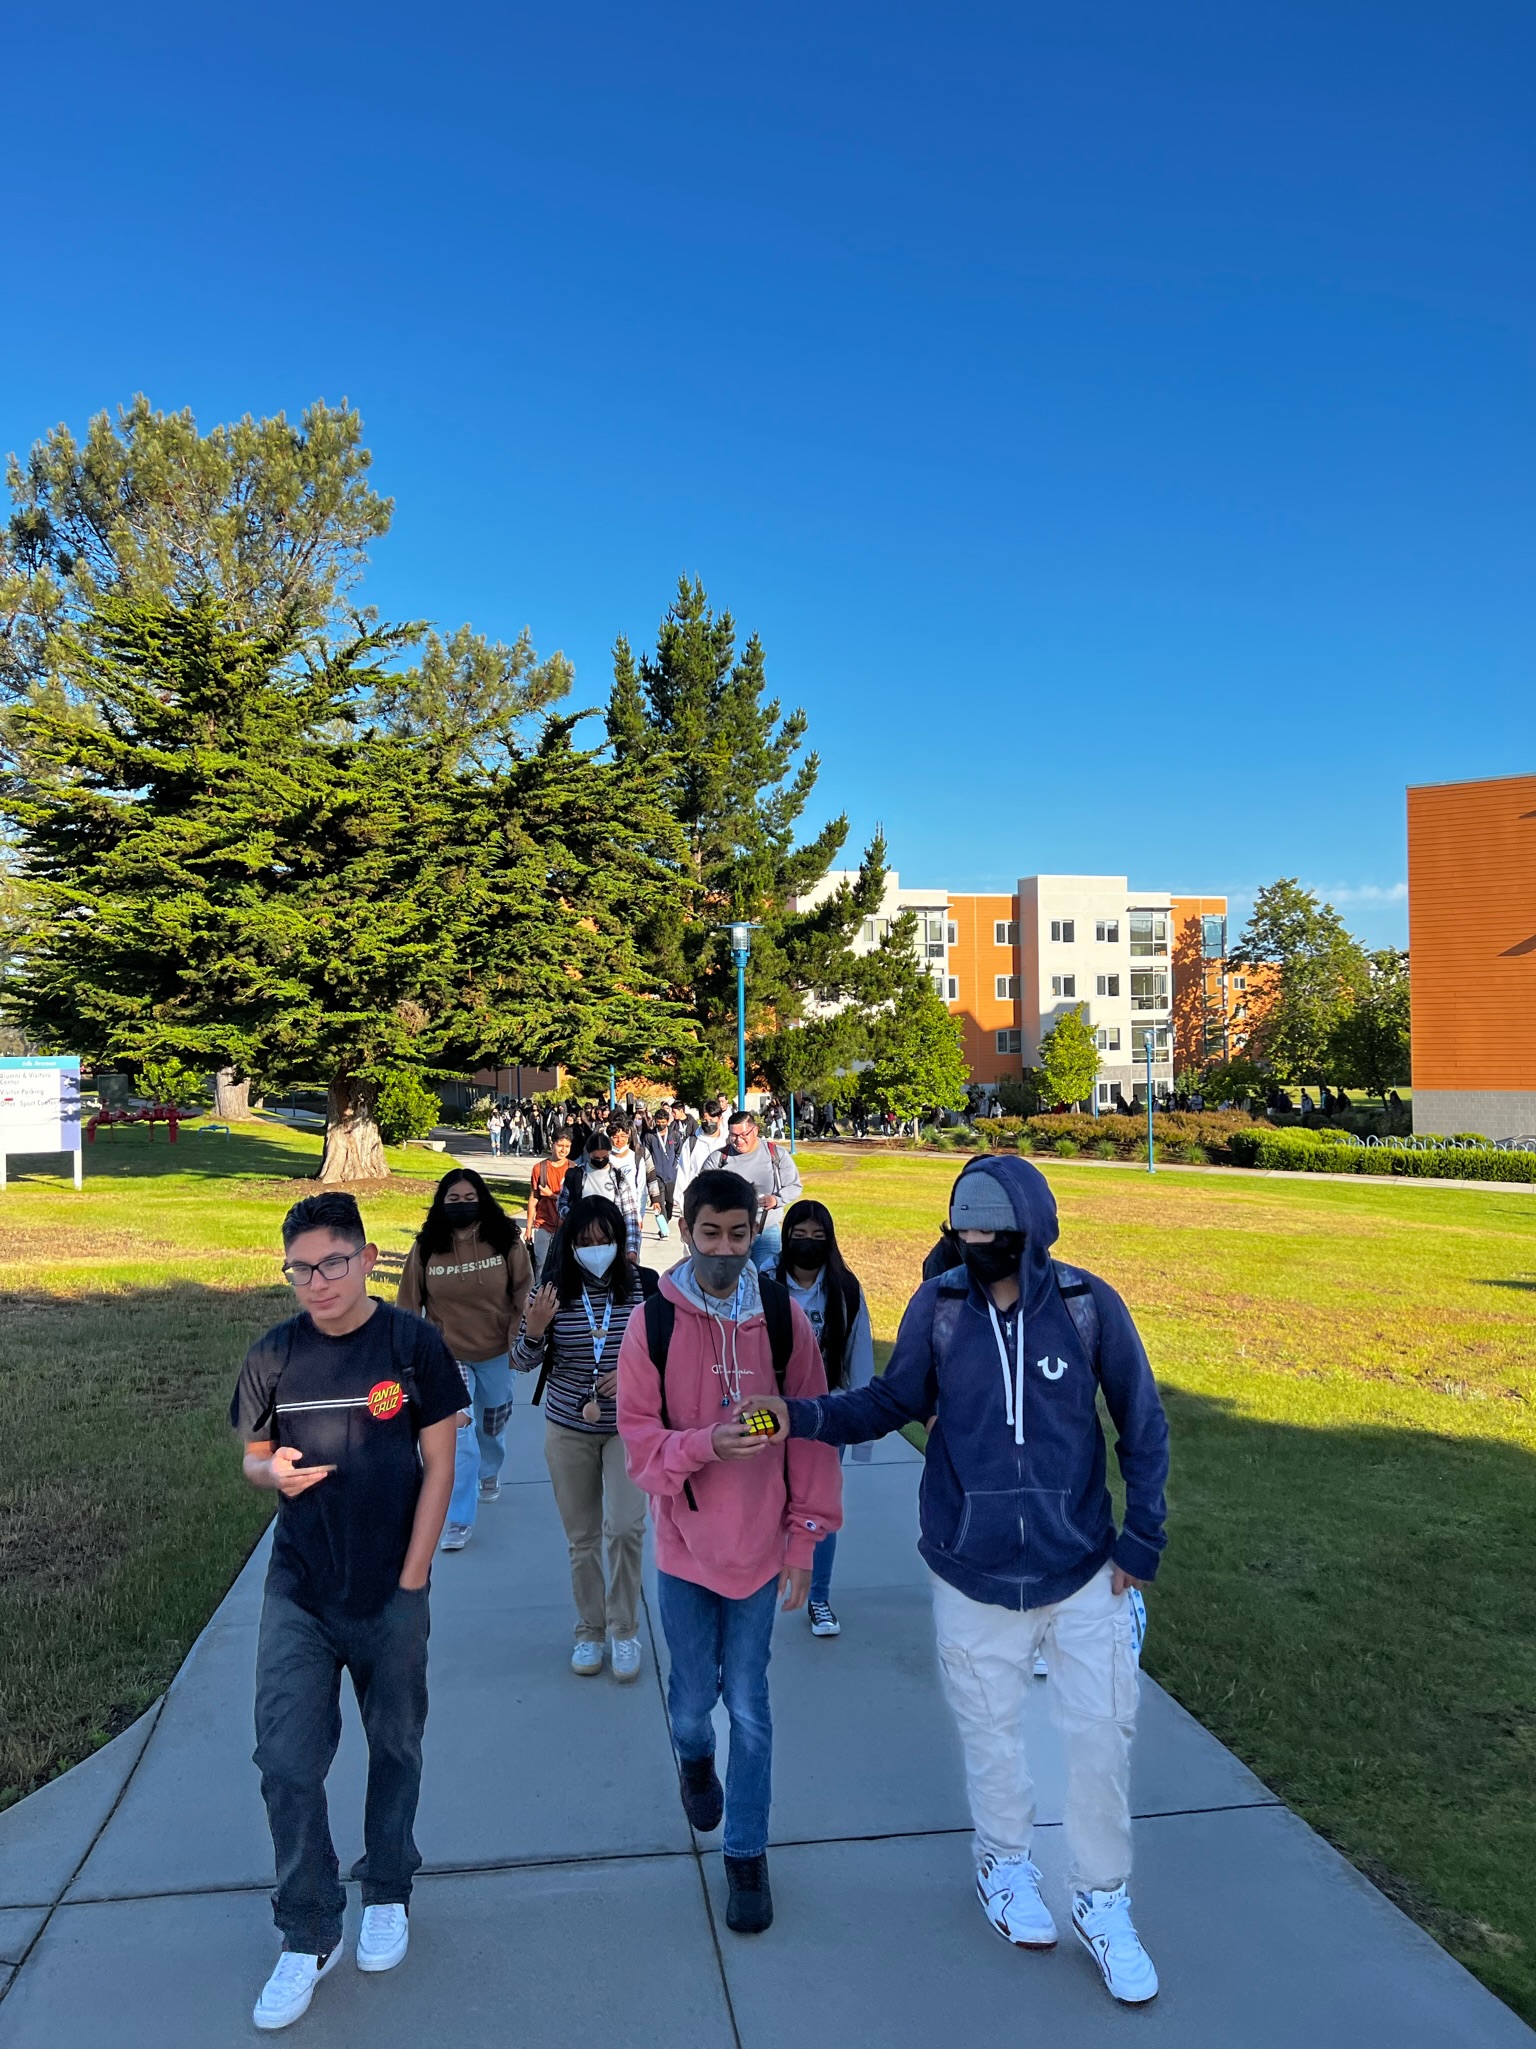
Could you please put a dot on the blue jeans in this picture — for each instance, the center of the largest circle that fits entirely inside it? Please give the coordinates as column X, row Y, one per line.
column 720, row 1650
column 300, row 1658
column 480, row 1449
column 823, row 1558
column 768, row 1244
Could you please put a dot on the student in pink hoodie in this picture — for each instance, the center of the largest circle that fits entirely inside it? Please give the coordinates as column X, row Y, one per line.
column 738, row 1515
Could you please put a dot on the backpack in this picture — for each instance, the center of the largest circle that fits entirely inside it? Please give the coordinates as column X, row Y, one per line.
column 1075, row 1290
column 661, row 1316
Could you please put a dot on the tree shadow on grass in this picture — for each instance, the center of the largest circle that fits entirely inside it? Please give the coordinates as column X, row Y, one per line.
column 127, row 1152
column 1352, row 1610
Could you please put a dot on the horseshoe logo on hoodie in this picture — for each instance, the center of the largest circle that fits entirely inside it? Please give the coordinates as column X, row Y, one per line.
column 1052, row 1369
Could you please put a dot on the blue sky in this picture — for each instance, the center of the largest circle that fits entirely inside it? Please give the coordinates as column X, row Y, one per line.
column 1118, row 422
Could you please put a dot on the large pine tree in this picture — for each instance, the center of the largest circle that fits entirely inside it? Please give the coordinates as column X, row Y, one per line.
column 693, row 724
column 230, row 856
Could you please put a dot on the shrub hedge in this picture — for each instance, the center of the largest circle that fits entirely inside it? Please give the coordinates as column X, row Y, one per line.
column 1298, row 1152
column 1194, row 1135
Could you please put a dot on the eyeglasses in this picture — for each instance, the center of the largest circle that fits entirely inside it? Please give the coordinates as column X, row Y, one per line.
column 331, row 1268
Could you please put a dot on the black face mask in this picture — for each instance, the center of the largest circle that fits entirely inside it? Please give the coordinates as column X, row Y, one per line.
column 597, row 1162
column 460, row 1215
column 808, row 1254
column 994, row 1261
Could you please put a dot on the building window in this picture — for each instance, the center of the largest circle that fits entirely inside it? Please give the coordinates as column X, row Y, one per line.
column 1107, row 929
column 1005, row 932
column 954, row 989
column 1109, row 985
column 1149, row 991
column 1140, row 1034
column 1010, row 1042
column 1063, row 985
column 1109, row 1038
column 1007, row 987
column 1064, row 931
column 1239, row 982
column 954, row 935
column 1149, row 934
column 1106, row 1092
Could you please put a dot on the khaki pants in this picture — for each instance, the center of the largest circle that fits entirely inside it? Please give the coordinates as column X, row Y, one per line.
column 986, row 1657
column 598, row 1500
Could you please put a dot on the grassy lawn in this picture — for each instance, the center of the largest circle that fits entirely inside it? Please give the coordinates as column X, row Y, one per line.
column 124, row 1313
column 1347, row 1598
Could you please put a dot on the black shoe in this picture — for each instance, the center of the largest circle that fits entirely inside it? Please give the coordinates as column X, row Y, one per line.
column 703, row 1795
column 750, row 1907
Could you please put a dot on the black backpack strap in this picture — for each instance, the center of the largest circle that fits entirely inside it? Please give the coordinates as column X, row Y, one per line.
column 1077, row 1294
column 660, row 1316
column 781, row 1329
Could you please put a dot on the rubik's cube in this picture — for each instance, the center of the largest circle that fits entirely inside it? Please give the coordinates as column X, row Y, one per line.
column 761, row 1422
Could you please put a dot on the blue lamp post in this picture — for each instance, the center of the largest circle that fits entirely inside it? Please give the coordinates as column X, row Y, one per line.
column 741, row 946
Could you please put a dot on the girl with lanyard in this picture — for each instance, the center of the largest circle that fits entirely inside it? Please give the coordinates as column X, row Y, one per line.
column 811, row 1266
column 571, row 1334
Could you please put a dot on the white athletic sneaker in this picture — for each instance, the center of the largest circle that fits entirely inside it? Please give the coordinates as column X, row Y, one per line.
column 291, row 1987
column 490, row 1490
column 382, row 1939
column 626, row 1657
column 455, row 1537
column 823, row 1621
column 1009, row 1891
column 1104, row 1928
column 587, row 1658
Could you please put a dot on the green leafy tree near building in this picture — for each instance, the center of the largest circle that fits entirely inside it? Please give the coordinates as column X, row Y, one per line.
column 230, row 856
column 1369, row 1047
column 919, row 1060
column 1322, row 973
column 693, row 724
column 1069, row 1059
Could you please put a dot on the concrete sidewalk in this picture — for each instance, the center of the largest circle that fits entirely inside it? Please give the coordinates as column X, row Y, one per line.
column 564, row 1900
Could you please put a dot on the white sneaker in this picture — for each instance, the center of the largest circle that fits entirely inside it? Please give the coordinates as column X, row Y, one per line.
column 383, row 1937
column 455, row 1537
column 587, row 1658
column 490, row 1490
column 291, row 1987
column 626, row 1657
column 1009, row 1891
column 1104, row 1928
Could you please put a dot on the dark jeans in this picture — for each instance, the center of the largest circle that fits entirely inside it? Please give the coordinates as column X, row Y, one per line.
column 666, row 1195
column 300, row 1658
column 720, row 1649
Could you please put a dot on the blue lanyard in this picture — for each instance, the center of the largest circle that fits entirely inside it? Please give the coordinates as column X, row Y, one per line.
column 599, row 1337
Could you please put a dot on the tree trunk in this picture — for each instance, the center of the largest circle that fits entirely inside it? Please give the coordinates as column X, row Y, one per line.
column 354, row 1151
column 231, row 1095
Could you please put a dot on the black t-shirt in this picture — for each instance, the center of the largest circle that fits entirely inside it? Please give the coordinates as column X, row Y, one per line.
column 359, row 1403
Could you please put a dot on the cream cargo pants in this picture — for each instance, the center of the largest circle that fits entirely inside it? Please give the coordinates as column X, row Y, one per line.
column 986, row 1659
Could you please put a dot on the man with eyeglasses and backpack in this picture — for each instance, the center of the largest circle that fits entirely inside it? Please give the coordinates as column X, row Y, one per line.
column 738, row 1510
column 350, row 1412
column 1004, row 1354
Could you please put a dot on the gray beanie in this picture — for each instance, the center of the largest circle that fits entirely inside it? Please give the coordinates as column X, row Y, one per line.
column 979, row 1202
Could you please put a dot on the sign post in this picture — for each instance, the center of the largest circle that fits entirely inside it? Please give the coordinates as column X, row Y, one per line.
column 40, row 1109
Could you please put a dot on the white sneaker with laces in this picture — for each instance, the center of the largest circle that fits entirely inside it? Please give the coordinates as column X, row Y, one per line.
column 626, row 1657
column 383, row 1938
column 1105, row 1929
column 455, row 1537
column 1009, row 1891
column 291, row 1987
column 587, row 1658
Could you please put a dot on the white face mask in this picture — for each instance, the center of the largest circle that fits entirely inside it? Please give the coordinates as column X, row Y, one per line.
column 595, row 1258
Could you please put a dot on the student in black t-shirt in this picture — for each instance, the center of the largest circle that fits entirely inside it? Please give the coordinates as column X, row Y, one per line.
column 350, row 1411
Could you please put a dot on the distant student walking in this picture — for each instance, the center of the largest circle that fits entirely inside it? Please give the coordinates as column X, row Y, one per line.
column 349, row 1411
column 811, row 1266
column 468, row 1273
column 571, row 1336
column 769, row 1170
column 545, row 1181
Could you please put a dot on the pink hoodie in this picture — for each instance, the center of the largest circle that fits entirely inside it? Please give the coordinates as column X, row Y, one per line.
column 749, row 1524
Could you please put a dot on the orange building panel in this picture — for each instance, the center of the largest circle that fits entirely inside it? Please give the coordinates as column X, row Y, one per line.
column 1217, row 1009
column 977, row 958
column 1472, row 941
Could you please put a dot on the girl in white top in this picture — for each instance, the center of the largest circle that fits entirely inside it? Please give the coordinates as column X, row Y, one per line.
column 812, row 1267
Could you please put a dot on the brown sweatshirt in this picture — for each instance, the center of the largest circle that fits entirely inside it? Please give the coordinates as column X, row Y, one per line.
column 474, row 1296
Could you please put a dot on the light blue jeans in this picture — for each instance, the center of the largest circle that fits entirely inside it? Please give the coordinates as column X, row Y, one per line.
column 720, row 1649
column 480, row 1449
column 768, row 1244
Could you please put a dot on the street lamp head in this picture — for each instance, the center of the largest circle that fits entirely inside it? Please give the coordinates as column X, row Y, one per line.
column 741, row 938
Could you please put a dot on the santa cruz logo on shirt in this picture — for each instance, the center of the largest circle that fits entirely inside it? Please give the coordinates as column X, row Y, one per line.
column 386, row 1398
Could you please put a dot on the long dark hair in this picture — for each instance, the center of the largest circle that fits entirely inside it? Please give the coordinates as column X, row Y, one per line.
column 842, row 1286
column 567, row 1272
column 493, row 1223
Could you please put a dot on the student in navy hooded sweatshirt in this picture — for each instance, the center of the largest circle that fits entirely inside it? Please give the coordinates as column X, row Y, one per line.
column 1007, row 1351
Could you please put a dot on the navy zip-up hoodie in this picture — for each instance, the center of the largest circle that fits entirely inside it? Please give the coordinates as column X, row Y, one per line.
column 1015, row 1509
